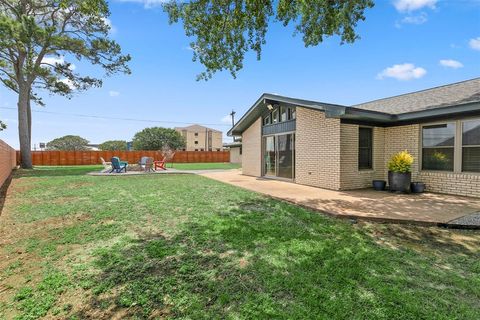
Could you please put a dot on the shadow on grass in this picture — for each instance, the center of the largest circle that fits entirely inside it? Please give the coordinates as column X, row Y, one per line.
column 266, row 259
column 435, row 240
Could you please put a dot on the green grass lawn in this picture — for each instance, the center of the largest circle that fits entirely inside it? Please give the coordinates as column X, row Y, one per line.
column 183, row 246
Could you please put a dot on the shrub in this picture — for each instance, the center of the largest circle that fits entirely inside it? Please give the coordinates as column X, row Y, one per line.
column 401, row 162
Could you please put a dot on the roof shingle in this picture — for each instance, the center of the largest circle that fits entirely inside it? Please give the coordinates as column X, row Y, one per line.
column 453, row 94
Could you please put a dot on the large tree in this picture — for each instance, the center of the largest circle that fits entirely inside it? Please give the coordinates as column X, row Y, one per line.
column 68, row 143
column 158, row 138
column 224, row 30
column 3, row 126
column 39, row 39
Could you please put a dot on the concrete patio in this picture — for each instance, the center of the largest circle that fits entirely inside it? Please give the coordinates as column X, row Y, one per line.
column 366, row 204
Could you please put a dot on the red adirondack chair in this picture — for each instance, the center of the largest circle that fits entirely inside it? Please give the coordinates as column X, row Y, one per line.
column 160, row 164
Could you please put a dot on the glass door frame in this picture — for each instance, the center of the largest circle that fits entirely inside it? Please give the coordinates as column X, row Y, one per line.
column 276, row 155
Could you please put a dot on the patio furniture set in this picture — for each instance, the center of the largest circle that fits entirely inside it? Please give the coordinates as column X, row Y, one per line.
column 146, row 164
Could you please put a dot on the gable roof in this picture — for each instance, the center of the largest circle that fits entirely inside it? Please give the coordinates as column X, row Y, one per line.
column 448, row 95
column 445, row 101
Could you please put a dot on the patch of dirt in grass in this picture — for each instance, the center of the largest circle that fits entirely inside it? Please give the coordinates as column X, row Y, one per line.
column 74, row 185
column 423, row 239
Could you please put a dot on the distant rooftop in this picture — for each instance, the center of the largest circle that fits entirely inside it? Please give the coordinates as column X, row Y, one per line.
column 448, row 95
column 196, row 128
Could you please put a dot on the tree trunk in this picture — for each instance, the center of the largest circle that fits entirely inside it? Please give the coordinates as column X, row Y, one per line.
column 24, row 128
column 29, row 115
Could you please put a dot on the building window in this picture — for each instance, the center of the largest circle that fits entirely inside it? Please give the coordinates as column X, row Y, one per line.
column 471, row 146
column 196, row 149
column 202, row 149
column 438, row 147
column 283, row 113
column 196, row 134
column 218, row 149
column 196, row 142
column 365, row 148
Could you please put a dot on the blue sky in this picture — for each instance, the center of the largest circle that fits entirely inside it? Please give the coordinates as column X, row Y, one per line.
column 405, row 45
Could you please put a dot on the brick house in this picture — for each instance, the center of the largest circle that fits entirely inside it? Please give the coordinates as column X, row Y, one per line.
column 346, row 147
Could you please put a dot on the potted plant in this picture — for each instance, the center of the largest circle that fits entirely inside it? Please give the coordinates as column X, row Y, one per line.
column 400, row 172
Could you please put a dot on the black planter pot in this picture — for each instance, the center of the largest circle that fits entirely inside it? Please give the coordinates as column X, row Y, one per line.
column 379, row 185
column 417, row 187
column 399, row 182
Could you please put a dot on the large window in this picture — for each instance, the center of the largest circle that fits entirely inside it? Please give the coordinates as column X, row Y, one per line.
column 291, row 113
column 275, row 115
column 267, row 120
column 365, row 148
column 471, row 146
column 279, row 114
column 438, row 147
column 283, row 113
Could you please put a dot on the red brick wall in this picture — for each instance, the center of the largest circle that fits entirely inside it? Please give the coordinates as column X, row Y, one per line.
column 7, row 161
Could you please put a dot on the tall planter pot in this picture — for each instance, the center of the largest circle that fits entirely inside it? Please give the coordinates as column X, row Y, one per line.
column 399, row 182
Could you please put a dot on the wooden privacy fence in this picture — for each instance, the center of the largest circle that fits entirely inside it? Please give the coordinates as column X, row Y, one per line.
column 68, row 158
column 7, row 161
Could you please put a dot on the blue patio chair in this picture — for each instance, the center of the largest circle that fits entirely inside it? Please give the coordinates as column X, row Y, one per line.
column 118, row 166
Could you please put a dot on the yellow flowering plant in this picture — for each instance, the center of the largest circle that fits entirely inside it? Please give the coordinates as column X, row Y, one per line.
column 401, row 162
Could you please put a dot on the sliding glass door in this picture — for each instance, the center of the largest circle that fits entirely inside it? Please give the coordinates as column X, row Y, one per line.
column 279, row 156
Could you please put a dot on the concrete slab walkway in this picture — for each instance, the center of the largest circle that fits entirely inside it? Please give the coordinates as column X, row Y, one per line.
column 168, row 171
column 424, row 209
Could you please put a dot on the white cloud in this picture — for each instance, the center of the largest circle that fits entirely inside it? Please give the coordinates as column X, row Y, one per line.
column 147, row 3
column 449, row 63
column 227, row 119
column 419, row 19
column 108, row 22
column 412, row 5
column 57, row 60
column 475, row 43
column 113, row 93
column 403, row 72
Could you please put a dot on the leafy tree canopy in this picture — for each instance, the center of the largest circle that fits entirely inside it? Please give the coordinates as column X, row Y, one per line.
column 39, row 42
column 68, row 143
column 224, row 30
column 158, row 138
column 40, row 38
column 3, row 126
column 113, row 145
